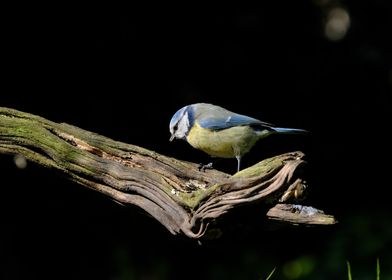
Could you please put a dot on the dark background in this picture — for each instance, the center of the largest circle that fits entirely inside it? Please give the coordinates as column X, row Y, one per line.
column 123, row 75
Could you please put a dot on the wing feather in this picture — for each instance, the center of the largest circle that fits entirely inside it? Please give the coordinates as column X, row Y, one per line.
column 220, row 118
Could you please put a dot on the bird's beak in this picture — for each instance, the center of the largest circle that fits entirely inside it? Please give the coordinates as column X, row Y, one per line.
column 171, row 138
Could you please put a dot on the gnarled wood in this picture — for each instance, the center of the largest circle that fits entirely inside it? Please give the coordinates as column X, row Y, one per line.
column 176, row 193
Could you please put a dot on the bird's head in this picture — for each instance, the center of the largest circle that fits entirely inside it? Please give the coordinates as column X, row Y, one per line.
column 181, row 123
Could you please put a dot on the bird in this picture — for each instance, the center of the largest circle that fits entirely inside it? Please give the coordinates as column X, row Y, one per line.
column 220, row 132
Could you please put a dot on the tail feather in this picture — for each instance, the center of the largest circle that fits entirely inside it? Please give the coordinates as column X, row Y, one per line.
column 289, row 130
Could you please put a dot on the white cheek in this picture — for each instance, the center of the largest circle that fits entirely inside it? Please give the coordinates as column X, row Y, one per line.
column 182, row 129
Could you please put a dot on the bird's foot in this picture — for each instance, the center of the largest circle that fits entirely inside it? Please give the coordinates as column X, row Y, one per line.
column 203, row 167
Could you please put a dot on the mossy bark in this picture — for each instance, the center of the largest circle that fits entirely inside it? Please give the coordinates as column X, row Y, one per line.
column 176, row 193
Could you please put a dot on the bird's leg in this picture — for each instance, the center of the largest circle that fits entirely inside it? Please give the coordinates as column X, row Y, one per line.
column 238, row 163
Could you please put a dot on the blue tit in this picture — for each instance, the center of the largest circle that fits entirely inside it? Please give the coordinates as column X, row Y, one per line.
column 219, row 132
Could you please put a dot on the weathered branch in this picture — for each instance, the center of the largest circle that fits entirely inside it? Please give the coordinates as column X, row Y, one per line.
column 176, row 193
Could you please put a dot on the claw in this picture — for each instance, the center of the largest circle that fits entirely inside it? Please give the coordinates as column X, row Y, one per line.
column 203, row 167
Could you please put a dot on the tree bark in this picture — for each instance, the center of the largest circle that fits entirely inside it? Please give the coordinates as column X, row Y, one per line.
column 176, row 193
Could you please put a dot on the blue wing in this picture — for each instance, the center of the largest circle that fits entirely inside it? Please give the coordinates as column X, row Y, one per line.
column 217, row 118
column 220, row 118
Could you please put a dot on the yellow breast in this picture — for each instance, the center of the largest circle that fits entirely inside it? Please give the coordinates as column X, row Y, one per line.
column 226, row 143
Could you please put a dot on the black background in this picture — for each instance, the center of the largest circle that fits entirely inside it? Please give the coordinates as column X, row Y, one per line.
column 123, row 75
